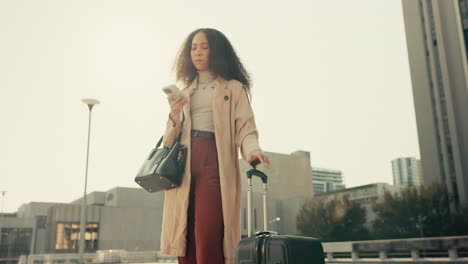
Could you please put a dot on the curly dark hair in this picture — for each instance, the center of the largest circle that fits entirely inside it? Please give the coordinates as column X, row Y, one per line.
column 223, row 60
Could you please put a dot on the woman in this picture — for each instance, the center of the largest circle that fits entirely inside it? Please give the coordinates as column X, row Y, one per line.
column 201, row 218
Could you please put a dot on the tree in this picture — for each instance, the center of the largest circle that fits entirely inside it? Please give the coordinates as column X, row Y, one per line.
column 423, row 212
column 460, row 221
column 335, row 220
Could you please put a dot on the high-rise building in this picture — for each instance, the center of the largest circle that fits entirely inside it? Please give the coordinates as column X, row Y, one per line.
column 437, row 39
column 406, row 171
column 325, row 180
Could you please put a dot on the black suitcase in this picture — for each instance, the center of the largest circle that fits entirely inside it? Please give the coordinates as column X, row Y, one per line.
column 269, row 247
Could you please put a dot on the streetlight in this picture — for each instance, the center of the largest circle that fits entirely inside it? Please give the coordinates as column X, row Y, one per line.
column 276, row 219
column 81, row 248
column 1, row 220
column 420, row 227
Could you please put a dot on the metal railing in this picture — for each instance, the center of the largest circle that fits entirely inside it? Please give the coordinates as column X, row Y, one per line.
column 401, row 251
column 101, row 256
column 413, row 250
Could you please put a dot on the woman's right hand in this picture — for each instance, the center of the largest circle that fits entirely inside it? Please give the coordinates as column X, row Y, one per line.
column 177, row 104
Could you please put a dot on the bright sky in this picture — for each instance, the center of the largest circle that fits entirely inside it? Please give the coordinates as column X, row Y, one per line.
column 330, row 77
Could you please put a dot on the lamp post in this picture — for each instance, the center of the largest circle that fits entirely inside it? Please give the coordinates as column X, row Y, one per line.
column 1, row 219
column 276, row 219
column 420, row 227
column 81, row 247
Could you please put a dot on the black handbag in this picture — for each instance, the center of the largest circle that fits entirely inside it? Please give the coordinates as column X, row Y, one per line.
column 163, row 169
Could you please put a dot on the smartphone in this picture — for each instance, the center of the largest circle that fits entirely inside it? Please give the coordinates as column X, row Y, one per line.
column 172, row 89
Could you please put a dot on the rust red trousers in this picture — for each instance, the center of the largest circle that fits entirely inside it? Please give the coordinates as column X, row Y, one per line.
column 205, row 228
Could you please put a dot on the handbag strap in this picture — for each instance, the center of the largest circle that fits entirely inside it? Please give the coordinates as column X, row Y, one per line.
column 180, row 133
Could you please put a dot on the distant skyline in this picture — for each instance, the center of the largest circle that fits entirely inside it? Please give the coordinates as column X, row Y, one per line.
column 331, row 78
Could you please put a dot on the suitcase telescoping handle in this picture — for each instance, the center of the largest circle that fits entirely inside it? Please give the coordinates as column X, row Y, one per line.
column 250, row 173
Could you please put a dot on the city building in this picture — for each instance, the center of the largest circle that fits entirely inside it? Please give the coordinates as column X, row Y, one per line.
column 437, row 40
column 325, row 180
column 15, row 236
column 289, row 186
column 130, row 219
column 365, row 195
column 406, row 171
column 121, row 218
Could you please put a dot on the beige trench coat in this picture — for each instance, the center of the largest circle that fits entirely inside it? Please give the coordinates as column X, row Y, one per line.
column 234, row 127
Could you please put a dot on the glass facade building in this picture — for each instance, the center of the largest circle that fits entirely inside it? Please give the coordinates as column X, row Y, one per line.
column 406, row 171
column 325, row 180
column 464, row 20
column 68, row 236
column 14, row 242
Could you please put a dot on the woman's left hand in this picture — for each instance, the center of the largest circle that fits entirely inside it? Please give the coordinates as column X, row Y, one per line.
column 258, row 157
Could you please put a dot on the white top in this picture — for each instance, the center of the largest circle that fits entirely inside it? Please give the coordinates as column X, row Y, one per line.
column 201, row 104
